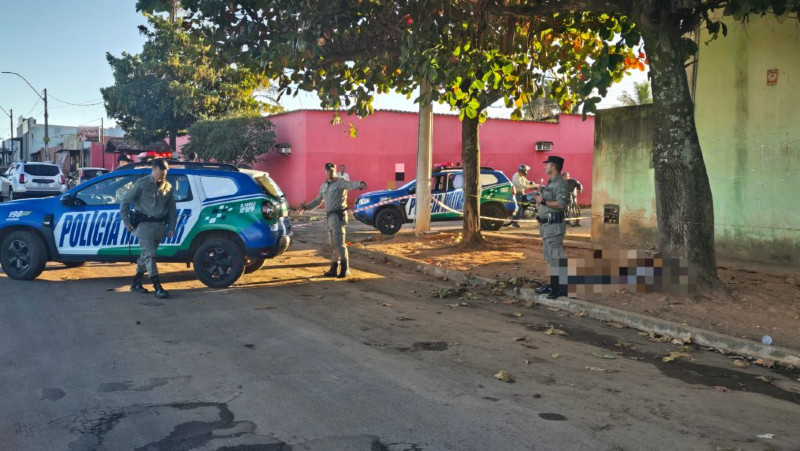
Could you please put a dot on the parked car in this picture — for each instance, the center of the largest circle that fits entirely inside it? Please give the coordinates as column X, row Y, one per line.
column 393, row 208
column 24, row 179
column 83, row 175
column 229, row 222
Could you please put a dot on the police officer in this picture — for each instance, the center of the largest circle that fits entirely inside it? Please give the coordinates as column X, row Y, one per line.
column 334, row 193
column 521, row 183
column 155, row 217
column 553, row 202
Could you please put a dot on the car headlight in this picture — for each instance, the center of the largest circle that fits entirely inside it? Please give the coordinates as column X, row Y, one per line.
column 363, row 201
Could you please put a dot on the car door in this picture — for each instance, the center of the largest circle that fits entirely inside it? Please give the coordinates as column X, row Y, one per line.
column 89, row 223
column 442, row 185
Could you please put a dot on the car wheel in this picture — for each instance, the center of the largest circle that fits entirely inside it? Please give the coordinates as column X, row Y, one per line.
column 493, row 211
column 218, row 262
column 253, row 265
column 388, row 221
column 23, row 255
column 11, row 194
column 74, row 264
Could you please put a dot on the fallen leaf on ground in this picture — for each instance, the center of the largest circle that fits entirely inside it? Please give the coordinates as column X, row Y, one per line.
column 636, row 358
column 766, row 436
column 721, row 388
column 522, row 338
column 603, row 356
column 452, row 305
column 764, row 378
column 554, row 309
column 583, row 313
column 684, row 348
column 662, row 339
column 616, row 325
column 386, row 304
column 554, row 355
column 740, row 363
column 527, row 362
column 464, row 304
column 509, row 301
column 553, row 331
column 404, row 318
column 622, row 344
column 263, row 308
column 673, row 356
column 517, row 314
column 766, row 363
column 503, row 376
column 595, row 368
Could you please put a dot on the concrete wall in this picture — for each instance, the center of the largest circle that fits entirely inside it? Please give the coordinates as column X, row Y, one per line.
column 750, row 138
column 751, row 145
column 386, row 146
column 623, row 175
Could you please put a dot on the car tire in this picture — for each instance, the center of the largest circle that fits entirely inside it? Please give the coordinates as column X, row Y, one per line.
column 253, row 265
column 493, row 211
column 11, row 194
column 218, row 262
column 388, row 221
column 23, row 255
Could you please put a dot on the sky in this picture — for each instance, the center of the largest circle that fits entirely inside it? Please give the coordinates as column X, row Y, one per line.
column 61, row 46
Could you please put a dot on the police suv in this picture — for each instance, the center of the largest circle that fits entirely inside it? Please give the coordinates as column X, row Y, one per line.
column 229, row 221
column 388, row 210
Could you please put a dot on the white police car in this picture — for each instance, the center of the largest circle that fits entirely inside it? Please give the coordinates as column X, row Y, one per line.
column 229, row 221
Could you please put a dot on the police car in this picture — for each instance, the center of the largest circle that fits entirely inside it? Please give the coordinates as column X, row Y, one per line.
column 388, row 210
column 229, row 221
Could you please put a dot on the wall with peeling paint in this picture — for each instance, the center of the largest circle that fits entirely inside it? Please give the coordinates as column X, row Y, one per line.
column 623, row 176
column 750, row 137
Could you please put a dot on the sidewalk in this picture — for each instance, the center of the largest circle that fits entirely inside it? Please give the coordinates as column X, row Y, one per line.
column 766, row 300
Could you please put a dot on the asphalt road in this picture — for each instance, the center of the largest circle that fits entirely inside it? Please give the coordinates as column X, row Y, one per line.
column 285, row 360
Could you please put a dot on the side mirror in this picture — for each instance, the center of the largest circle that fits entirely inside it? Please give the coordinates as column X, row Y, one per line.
column 412, row 189
column 68, row 199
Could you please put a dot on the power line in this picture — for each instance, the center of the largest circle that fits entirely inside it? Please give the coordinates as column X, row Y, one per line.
column 33, row 108
column 74, row 104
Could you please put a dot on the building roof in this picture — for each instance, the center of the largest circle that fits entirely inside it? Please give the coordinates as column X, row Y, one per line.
column 131, row 146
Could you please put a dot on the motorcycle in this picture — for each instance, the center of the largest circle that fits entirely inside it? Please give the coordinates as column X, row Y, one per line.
column 527, row 207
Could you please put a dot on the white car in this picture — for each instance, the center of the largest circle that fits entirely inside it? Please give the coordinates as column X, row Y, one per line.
column 24, row 179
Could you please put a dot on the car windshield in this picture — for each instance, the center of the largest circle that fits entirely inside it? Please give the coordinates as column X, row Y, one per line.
column 41, row 169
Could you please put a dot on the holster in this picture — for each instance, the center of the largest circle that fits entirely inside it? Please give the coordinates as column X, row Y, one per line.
column 133, row 217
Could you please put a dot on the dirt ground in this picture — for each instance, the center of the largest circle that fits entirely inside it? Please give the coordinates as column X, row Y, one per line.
column 763, row 300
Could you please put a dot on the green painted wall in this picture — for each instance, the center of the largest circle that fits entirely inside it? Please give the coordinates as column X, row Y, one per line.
column 750, row 135
column 623, row 175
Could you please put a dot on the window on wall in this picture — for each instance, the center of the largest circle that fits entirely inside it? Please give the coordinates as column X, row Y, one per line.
column 544, row 146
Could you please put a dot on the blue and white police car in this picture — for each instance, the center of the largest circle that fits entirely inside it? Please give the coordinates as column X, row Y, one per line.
column 229, row 221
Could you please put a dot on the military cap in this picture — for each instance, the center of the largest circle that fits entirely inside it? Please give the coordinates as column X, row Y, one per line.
column 555, row 160
column 329, row 165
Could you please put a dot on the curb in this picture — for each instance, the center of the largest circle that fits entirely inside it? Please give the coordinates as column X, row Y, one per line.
column 778, row 354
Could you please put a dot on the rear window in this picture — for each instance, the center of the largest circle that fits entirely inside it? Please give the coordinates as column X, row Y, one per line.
column 89, row 174
column 268, row 185
column 45, row 170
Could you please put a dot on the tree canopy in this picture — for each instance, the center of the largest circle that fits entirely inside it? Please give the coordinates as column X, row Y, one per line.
column 175, row 81
column 231, row 140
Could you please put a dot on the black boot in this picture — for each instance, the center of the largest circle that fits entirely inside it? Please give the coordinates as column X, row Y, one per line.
column 136, row 285
column 343, row 271
column 543, row 289
column 556, row 290
column 332, row 272
column 161, row 293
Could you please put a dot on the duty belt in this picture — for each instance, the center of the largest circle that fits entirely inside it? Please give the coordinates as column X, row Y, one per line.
column 552, row 218
column 146, row 218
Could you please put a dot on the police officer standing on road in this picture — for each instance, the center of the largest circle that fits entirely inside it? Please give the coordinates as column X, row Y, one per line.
column 553, row 201
column 155, row 217
column 521, row 183
column 334, row 192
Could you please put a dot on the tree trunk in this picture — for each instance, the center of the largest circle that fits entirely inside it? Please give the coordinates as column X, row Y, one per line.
column 471, row 159
column 173, row 143
column 684, row 205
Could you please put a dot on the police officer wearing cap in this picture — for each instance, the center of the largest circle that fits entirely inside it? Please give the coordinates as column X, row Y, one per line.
column 334, row 193
column 553, row 203
column 155, row 216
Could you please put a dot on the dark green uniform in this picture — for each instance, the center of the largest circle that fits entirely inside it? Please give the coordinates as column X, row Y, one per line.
column 553, row 233
column 155, row 208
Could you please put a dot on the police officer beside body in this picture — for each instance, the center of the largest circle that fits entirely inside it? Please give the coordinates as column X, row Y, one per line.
column 334, row 193
column 521, row 183
column 553, row 202
column 155, row 217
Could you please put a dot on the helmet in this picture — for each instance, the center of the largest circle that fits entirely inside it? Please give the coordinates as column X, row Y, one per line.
column 523, row 169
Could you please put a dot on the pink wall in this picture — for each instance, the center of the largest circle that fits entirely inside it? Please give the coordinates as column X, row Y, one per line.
column 387, row 138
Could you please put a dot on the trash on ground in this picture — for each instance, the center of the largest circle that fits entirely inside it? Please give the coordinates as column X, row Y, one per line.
column 553, row 331
column 766, row 339
column 616, row 325
column 721, row 388
column 673, row 356
column 766, row 363
column 766, row 436
column 503, row 376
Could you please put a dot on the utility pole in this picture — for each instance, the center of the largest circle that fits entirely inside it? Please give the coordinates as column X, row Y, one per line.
column 422, row 223
column 46, row 125
column 10, row 114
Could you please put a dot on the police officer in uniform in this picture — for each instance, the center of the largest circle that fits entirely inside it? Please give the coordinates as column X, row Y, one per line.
column 334, row 193
column 553, row 203
column 155, row 216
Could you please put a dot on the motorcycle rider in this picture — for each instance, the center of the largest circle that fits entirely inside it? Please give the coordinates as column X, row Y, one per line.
column 521, row 183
